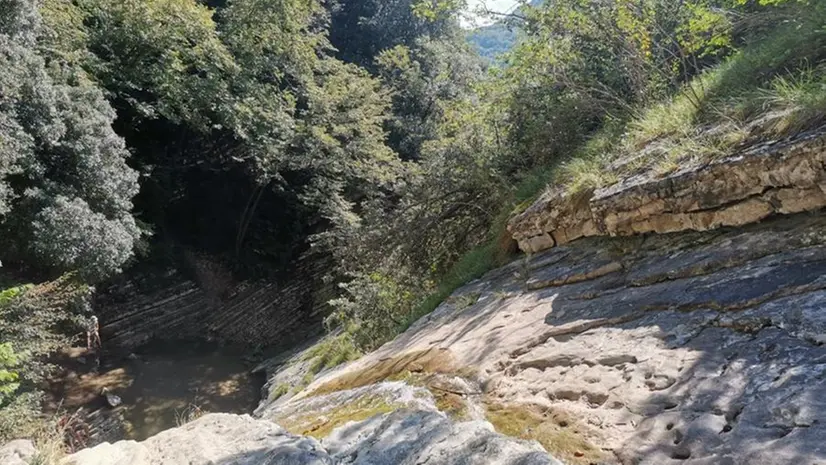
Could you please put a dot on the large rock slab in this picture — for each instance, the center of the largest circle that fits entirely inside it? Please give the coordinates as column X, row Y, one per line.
column 772, row 178
column 215, row 439
column 415, row 437
column 687, row 348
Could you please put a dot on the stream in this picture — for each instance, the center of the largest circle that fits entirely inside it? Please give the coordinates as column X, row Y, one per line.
column 161, row 386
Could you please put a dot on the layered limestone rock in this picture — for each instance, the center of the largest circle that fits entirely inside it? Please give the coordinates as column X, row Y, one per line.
column 207, row 303
column 691, row 348
column 773, row 178
column 402, row 437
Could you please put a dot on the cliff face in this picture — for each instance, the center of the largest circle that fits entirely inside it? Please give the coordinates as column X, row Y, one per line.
column 208, row 303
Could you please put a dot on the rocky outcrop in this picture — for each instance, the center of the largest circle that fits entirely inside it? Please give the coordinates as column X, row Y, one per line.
column 677, row 349
column 773, row 178
column 402, row 437
column 704, row 344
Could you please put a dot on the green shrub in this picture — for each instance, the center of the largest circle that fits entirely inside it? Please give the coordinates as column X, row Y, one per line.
column 331, row 352
column 279, row 391
column 9, row 379
column 21, row 417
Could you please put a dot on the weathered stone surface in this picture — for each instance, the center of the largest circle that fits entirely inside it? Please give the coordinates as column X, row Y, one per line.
column 402, row 437
column 328, row 410
column 413, row 437
column 698, row 348
column 773, row 178
column 215, row 439
column 17, row 452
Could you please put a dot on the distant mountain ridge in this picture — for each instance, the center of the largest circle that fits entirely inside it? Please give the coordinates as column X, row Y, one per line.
column 497, row 38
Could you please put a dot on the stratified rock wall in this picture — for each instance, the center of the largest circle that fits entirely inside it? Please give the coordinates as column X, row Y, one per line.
column 774, row 178
column 144, row 305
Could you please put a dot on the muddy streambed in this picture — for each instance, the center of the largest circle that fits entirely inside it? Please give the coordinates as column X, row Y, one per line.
column 161, row 386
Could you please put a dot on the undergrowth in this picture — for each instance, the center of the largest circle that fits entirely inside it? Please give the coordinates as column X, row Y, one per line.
column 498, row 251
column 34, row 322
column 773, row 89
column 330, row 352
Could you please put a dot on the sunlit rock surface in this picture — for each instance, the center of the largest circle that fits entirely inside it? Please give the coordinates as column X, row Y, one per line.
column 402, row 437
column 688, row 348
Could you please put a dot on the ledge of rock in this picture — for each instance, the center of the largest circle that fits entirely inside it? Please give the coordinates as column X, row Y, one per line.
column 771, row 178
column 401, row 437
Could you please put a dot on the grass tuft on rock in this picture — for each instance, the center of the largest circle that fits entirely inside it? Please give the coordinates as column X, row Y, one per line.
column 772, row 89
column 556, row 431
column 427, row 361
column 320, row 426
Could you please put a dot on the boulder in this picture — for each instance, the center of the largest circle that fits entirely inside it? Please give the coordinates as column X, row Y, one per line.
column 223, row 439
column 17, row 452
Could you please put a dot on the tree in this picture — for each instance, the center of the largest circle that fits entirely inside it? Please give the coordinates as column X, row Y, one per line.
column 360, row 30
column 58, row 148
column 423, row 79
column 251, row 135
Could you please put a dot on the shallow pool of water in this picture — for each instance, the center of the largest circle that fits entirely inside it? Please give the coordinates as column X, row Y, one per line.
column 161, row 387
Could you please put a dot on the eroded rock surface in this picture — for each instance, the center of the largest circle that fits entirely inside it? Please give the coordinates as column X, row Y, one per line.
column 402, row 437
column 773, row 178
column 690, row 348
column 216, row 439
column 409, row 438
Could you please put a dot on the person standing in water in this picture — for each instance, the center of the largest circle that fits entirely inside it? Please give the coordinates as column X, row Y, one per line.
column 93, row 333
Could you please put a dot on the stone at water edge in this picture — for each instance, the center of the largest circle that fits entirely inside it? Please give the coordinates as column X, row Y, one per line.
column 111, row 399
column 17, row 452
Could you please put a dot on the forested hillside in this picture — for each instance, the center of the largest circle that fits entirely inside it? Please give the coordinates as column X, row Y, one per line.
column 367, row 132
